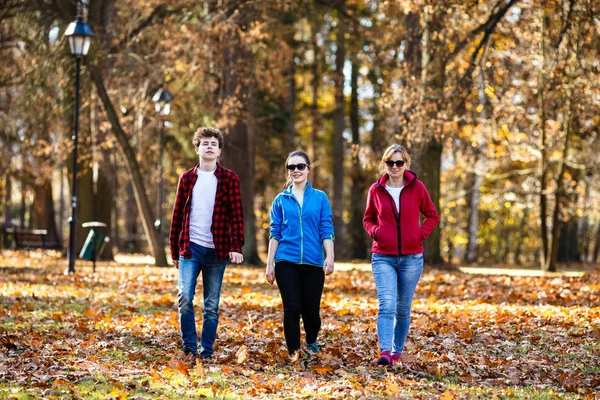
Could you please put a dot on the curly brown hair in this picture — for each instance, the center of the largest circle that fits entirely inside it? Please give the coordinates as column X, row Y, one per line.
column 205, row 132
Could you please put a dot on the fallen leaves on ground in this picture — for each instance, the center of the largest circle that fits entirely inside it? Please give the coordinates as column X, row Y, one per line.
column 115, row 333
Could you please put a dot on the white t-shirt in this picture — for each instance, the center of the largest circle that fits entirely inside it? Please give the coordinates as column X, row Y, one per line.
column 203, row 205
column 395, row 192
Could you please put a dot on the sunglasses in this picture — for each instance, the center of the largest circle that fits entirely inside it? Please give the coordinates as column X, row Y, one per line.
column 299, row 167
column 391, row 163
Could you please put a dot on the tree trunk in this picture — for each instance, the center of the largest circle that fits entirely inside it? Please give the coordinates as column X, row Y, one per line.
column 290, row 100
column 583, row 228
column 23, row 206
column 131, row 222
column 431, row 155
column 431, row 163
column 239, row 150
column 157, row 250
column 314, row 108
column 480, row 170
column 338, row 132
column 543, row 156
column 8, row 199
column 596, row 254
column 43, row 206
column 357, row 235
column 61, row 205
column 556, row 221
column 116, row 233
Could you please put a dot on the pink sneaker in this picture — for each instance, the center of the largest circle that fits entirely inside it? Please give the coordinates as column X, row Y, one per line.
column 396, row 358
column 385, row 358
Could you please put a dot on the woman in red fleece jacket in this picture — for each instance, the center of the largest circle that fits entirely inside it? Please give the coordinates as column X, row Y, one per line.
column 391, row 219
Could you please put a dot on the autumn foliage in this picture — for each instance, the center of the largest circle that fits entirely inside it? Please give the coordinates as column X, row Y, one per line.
column 115, row 333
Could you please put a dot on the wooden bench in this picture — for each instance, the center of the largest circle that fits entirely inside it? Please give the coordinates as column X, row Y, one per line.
column 36, row 238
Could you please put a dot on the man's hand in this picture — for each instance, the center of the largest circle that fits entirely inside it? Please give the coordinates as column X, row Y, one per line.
column 328, row 266
column 176, row 263
column 236, row 257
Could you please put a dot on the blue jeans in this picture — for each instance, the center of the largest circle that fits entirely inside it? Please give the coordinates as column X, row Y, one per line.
column 396, row 279
column 203, row 260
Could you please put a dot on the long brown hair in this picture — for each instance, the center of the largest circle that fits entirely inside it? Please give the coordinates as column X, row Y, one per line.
column 295, row 153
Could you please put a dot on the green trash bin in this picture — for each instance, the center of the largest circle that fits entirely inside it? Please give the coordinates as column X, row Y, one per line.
column 95, row 241
column 8, row 238
column 93, row 246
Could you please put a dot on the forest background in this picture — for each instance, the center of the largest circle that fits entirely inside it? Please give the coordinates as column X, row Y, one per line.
column 497, row 100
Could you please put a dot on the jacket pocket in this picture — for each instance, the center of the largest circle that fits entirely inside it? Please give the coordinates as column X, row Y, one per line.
column 411, row 239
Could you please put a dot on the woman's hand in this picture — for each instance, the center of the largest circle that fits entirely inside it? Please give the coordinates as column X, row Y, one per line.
column 328, row 265
column 270, row 273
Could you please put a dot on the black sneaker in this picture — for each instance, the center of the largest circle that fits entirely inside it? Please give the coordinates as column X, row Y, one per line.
column 189, row 353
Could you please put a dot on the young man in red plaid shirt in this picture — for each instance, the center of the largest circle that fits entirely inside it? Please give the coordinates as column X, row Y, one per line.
column 207, row 229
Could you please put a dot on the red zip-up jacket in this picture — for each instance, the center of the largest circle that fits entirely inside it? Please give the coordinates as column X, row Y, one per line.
column 228, row 215
column 399, row 233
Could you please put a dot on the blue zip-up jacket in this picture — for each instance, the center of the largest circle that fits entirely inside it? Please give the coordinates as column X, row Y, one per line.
column 300, row 231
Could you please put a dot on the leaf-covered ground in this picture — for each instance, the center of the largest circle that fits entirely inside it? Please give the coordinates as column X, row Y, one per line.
column 115, row 334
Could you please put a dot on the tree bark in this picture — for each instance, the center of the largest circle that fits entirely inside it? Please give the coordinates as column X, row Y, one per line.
column 357, row 235
column 8, row 199
column 480, row 169
column 338, row 132
column 239, row 150
column 431, row 155
column 431, row 164
column 43, row 206
column 551, row 265
column 157, row 250
column 543, row 156
column 314, row 108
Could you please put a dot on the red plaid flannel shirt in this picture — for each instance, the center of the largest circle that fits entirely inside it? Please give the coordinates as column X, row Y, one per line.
column 228, row 216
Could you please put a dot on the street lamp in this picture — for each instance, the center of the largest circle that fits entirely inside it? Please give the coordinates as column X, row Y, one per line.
column 79, row 35
column 162, row 105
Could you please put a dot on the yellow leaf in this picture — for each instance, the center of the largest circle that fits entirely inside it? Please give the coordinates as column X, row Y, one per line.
column 448, row 395
column 392, row 388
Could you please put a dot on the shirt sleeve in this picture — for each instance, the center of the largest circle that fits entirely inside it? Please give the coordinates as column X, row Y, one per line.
column 326, row 230
column 236, row 215
column 177, row 220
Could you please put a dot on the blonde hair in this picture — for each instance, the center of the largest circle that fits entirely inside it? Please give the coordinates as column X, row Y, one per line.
column 389, row 152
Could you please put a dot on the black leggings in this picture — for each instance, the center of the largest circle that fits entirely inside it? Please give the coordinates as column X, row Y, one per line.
column 301, row 287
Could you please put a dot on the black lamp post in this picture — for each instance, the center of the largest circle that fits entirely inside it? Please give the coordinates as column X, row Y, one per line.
column 162, row 105
column 79, row 34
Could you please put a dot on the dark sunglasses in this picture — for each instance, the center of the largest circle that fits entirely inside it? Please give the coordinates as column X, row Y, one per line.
column 299, row 167
column 391, row 163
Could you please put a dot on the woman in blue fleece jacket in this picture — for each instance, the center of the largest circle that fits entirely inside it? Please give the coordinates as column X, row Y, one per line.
column 301, row 231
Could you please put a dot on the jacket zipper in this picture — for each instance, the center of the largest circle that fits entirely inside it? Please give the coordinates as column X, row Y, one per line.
column 394, row 211
column 301, row 236
column 398, row 220
column 397, row 216
column 301, row 230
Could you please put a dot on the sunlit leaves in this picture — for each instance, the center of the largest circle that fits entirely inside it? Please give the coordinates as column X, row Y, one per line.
column 117, row 332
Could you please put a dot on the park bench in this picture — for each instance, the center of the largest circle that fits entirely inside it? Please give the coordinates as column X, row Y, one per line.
column 36, row 238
